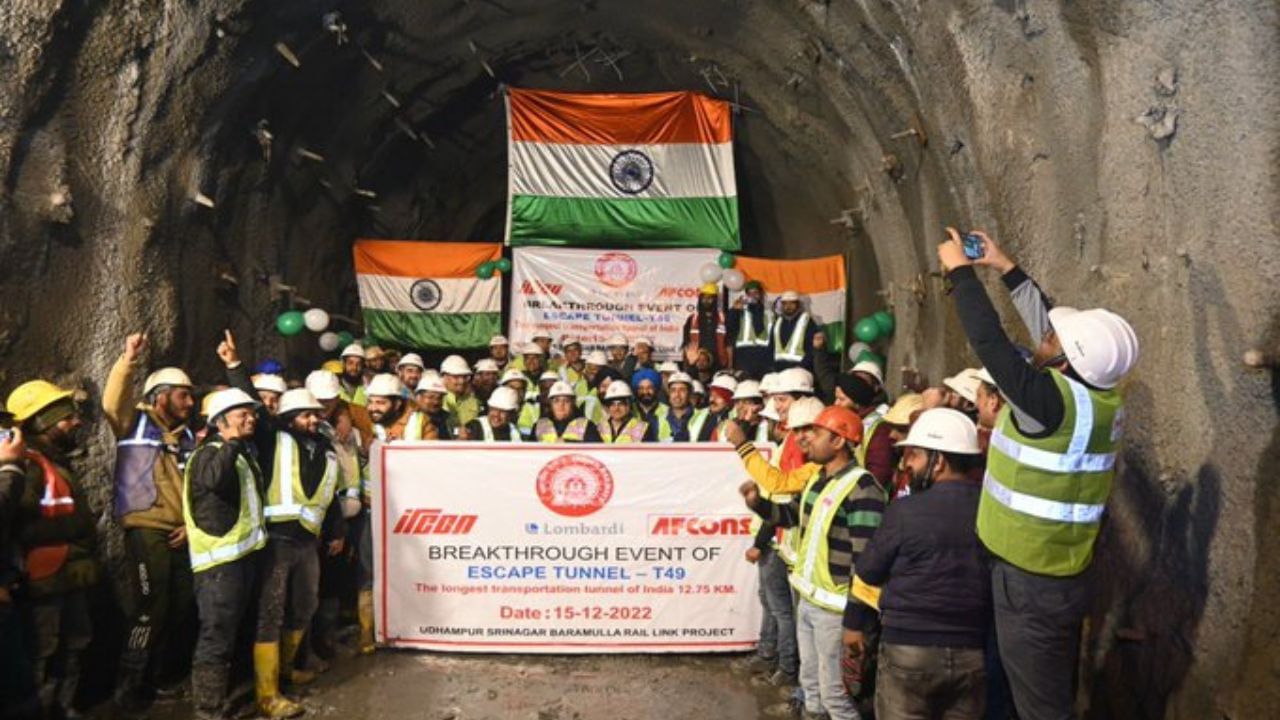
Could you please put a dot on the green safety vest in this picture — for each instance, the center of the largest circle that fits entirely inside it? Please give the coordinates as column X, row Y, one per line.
column 660, row 412
column 748, row 336
column 248, row 534
column 1043, row 498
column 529, row 413
column 697, row 422
column 286, row 498
column 348, row 460
column 793, row 351
column 354, row 397
column 486, row 431
column 811, row 575
column 577, row 379
column 414, row 425
column 575, row 431
column 592, row 408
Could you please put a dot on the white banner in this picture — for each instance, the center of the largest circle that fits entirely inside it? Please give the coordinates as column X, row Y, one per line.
column 562, row 548
column 593, row 294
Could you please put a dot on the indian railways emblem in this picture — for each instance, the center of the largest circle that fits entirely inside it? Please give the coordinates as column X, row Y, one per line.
column 616, row 269
column 574, row 485
column 425, row 295
column 631, row 172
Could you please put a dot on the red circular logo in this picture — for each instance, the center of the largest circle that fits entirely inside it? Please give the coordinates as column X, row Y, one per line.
column 575, row 485
column 616, row 269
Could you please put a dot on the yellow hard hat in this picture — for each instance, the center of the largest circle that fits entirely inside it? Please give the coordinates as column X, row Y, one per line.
column 31, row 397
column 333, row 366
column 709, row 289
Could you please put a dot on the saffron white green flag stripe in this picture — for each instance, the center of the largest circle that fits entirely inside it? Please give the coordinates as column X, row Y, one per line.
column 821, row 281
column 426, row 294
column 615, row 170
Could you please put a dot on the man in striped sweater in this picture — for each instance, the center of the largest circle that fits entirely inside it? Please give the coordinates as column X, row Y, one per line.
column 837, row 514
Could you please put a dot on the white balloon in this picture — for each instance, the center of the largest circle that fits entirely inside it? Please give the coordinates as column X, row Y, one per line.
column 857, row 349
column 316, row 319
column 710, row 273
column 329, row 341
column 733, row 279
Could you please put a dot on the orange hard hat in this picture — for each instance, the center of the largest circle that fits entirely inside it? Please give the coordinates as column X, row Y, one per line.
column 842, row 421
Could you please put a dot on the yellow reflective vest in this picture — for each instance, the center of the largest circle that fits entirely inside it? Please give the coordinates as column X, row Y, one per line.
column 248, row 534
column 287, row 501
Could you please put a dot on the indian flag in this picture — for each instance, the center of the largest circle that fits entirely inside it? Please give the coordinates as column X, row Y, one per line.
column 614, row 170
column 821, row 281
column 426, row 294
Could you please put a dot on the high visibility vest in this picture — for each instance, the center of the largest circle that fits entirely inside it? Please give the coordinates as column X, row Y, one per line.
column 749, row 335
column 286, row 499
column 695, row 336
column 632, row 432
column 867, row 432
column 248, row 534
column 697, row 422
column 577, row 379
column 136, row 456
column 793, row 349
column 811, row 575
column 575, row 431
column 592, row 408
column 44, row 561
column 788, row 544
column 413, row 428
column 1043, row 498
column 872, row 418
column 486, row 431
column 348, row 454
column 529, row 413
column 660, row 413
column 354, row 397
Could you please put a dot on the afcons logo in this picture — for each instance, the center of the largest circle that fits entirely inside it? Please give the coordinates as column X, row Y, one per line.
column 687, row 525
column 423, row 521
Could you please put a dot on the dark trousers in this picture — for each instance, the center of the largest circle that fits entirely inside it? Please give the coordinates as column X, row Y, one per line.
column 290, row 586
column 222, row 597
column 1038, row 622
column 160, row 578
column 916, row 682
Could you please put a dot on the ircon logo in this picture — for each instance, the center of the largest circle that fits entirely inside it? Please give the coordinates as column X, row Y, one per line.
column 699, row 525
column 421, row 521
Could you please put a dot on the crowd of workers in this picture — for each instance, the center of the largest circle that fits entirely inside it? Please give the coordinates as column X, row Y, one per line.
column 912, row 551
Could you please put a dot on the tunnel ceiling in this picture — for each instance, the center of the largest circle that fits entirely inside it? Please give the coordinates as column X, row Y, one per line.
column 1126, row 152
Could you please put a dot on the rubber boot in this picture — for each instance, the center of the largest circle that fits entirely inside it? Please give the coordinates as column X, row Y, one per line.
column 208, row 686
column 266, row 670
column 365, row 607
column 290, row 641
column 129, row 687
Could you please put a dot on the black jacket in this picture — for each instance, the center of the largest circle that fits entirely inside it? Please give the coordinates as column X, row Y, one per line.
column 933, row 573
column 214, row 485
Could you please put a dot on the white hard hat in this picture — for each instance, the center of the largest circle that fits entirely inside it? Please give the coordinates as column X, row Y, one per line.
column 794, row 380
column 985, row 376
column 504, row 398
column 385, row 385
column 945, row 430
column 770, row 413
column 353, row 350
column 803, row 412
column 667, row 366
column 561, row 389
column 569, row 340
column 617, row 389
column 270, row 383
column 431, row 383
column 540, row 335
column 455, row 365
column 323, row 385
column 747, row 390
column 618, row 341
column 297, row 400
column 224, row 400
column 870, row 368
column 790, row 296
column 532, row 348
column 498, row 340
column 165, row 376
column 699, row 388
column 513, row 374
column 486, row 365
column 642, row 341
column 1100, row 345
column 411, row 360
column 724, row 381
column 680, row 377
column 769, row 384
column 548, row 376
column 597, row 358
column 965, row 384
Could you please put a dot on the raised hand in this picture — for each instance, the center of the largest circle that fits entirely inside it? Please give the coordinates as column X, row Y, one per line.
column 227, row 350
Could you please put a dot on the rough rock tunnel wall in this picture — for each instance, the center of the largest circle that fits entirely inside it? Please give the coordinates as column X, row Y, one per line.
column 1125, row 151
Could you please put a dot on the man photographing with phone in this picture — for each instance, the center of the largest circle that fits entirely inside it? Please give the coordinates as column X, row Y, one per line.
column 1049, row 469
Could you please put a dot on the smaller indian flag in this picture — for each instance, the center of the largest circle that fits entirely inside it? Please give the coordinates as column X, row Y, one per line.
column 426, row 294
column 822, row 282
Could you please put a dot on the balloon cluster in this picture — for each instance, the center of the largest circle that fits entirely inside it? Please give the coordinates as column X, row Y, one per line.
column 722, row 271
column 488, row 268
column 292, row 322
column 876, row 326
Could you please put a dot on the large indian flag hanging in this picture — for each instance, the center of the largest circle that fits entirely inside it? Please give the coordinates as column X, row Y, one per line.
column 821, row 280
column 426, row 294
column 614, row 170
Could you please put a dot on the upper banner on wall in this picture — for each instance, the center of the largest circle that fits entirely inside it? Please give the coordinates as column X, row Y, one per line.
column 621, row 170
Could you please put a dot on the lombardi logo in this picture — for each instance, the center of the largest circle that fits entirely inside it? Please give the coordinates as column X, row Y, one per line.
column 433, row 521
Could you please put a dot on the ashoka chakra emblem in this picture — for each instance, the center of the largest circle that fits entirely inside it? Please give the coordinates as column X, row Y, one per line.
column 425, row 295
column 631, row 171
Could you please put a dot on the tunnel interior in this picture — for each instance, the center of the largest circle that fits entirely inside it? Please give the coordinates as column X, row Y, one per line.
column 1124, row 152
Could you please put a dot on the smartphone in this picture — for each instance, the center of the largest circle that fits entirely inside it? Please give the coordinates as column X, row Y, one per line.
column 974, row 247
column 6, row 435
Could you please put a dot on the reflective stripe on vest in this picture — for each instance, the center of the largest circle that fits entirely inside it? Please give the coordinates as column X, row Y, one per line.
column 696, row 422
column 1039, row 507
column 867, row 433
column 632, row 432
column 812, row 576
column 247, row 535
column 413, row 427
column 575, row 431
column 747, row 334
column 794, row 350
column 486, row 431
column 287, row 500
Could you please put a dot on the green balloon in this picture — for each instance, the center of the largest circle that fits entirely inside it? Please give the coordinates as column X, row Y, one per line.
column 345, row 338
column 726, row 260
column 485, row 271
column 504, row 265
column 867, row 330
column 290, row 323
column 884, row 320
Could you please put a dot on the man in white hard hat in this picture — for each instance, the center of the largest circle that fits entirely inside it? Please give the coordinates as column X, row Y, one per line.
column 573, row 368
column 871, row 372
column 153, row 442
column 460, row 402
column 375, row 361
column 545, row 381
column 564, row 423
column 793, row 334
column 616, row 349
column 429, row 398
column 530, row 407
column 934, row 579
column 496, row 424
column 409, row 370
column 500, row 351
column 1049, row 469
column 641, row 357
column 485, row 378
column 269, row 388
column 532, row 362
column 388, row 408
column 989, row 404
column 352, row 376
column 222, row 508
column 719, row 405
column 686, row 421
column 595, row 361
column 792, row 384
column 698, row 394
column 621, row 424
column 747, row 404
